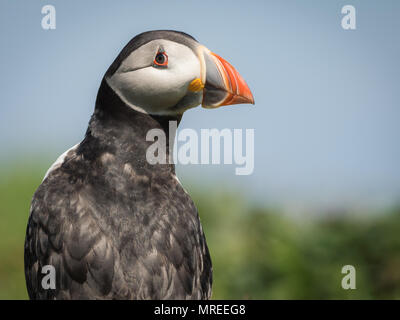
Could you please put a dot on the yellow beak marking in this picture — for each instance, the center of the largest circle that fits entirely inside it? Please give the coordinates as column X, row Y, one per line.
column 196, row 85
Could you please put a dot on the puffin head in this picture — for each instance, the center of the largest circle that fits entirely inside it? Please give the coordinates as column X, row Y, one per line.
column 167, row 72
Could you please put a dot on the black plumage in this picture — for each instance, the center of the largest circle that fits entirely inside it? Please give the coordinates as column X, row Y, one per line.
column 113, row 225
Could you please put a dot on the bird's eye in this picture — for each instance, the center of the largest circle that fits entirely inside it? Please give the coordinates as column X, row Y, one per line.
column 161, row 59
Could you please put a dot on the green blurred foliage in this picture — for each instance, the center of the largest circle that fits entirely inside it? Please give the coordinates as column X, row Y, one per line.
column 257, row 253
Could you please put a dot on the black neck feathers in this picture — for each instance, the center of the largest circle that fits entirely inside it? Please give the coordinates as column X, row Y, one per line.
column 120, row 130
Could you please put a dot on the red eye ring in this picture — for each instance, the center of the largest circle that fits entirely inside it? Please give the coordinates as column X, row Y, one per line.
column 161, row 59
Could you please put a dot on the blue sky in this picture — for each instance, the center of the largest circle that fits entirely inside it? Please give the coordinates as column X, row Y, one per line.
column 327, row 108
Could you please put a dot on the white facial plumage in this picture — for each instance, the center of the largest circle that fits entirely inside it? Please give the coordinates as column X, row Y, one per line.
column 153, row 89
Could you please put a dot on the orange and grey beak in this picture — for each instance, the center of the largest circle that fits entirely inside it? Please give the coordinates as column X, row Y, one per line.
column 223, row 84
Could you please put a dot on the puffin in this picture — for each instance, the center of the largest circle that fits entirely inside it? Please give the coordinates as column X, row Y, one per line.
column 108, row 222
